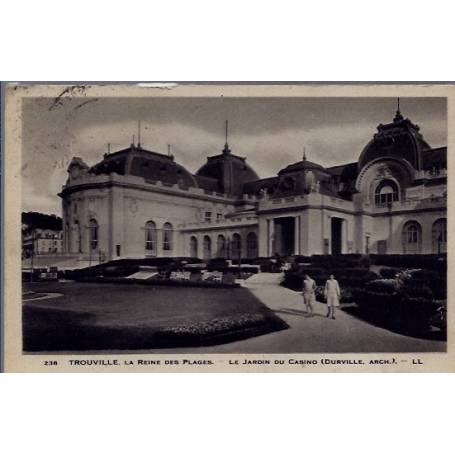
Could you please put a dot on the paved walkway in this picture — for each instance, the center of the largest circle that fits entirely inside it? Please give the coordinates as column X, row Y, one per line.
column 318, row 334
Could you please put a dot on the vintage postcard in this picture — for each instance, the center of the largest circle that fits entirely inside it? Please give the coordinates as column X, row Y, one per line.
column 228, row 228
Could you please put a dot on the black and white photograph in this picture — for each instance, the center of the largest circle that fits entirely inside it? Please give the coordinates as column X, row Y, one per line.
column 240, row 225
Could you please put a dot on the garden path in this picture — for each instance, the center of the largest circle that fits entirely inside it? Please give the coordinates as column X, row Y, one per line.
column 318, row 334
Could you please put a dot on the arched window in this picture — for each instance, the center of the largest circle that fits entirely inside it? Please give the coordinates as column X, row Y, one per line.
column 251, row 245
column 207, row 251
column 93, row 233
column 439, row 235
column 236, row 246
column 412, row 237
column 167, row 236
column 386, row 193
column 150, row 237
column 193, row 246
column 221, row 246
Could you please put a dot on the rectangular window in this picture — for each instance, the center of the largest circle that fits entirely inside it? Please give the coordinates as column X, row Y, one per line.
column 208, row 217
column 219, row 217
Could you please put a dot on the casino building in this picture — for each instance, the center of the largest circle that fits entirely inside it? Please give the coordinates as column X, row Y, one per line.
column 138, row 203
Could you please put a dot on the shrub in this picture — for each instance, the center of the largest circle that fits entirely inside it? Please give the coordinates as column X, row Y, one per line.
column 424, row 275
column 349, row 294
column 439, row 288
column 311, row 271
column 377, row 301
column 415, row 313
column 358, row 282
column 383, row 286
column 354, row 277
column 299, row 259
column 437, row 282
column 416, row 290
column 292, row 280
column 341, row 261
column 426, row 261
column 389, row 272
column 319, row 293
column 119, row 271
column 214, row 264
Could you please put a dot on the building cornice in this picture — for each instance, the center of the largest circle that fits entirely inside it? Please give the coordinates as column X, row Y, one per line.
column 148, row 188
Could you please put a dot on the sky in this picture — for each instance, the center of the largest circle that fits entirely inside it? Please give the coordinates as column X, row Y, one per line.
column 270, row 132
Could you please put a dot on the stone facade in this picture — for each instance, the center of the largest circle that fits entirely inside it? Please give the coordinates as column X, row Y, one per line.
column 137, row 203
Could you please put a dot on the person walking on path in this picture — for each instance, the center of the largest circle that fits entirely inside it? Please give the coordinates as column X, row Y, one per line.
column 309, row 297
column 332, row 294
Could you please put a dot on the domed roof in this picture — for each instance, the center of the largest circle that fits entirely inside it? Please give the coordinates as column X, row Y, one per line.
column 300, row 177
column 303, row 165
column 143, row 163
column 231, row 171
column 399, row 139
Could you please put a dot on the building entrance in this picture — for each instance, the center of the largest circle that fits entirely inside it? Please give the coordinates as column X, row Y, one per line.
column 285, row 236
column 337, row 235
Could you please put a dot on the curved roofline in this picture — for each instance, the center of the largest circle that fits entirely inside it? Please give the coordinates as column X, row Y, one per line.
column 130, row 153
column 417, row 139
column 407, row 165
column 301, row 165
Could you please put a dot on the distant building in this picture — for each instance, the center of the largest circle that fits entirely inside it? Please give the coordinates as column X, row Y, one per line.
column 42, row 241
column 139, row 203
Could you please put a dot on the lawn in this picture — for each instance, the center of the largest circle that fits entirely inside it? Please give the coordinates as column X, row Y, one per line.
column 91, row 316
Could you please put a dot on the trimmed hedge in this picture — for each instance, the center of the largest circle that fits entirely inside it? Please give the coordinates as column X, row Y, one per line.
column 409, row 307
column 425, row 261
column 311, row 271
column 436, row 282
column 389, row 272
column 415, row 290
column 384, row 286
column 341, row 261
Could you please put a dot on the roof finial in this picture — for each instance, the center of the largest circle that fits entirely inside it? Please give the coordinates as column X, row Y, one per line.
column 108, row 147
column 132, row 143
column 398, row 115
column 227, row 130
column 304, row 154
column 226, row 145
column 139, row 134
column 168, row 149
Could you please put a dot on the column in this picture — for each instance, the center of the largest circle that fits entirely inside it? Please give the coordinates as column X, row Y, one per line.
column 344, row 235
column 271, row 235
column 297, row 234
column 116, row 227
column 159, row 242
column 263, row 232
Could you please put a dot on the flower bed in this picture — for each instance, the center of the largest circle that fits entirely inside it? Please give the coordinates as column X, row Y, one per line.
column 160, row 282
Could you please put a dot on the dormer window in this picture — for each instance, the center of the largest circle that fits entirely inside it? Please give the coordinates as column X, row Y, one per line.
column 386, row 193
